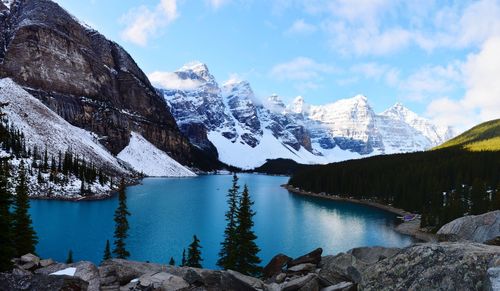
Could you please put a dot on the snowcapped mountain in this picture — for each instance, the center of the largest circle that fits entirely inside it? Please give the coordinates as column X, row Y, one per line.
column 45, row 129
column 234, row 125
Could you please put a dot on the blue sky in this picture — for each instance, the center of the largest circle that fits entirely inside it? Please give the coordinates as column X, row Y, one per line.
column 439, row 58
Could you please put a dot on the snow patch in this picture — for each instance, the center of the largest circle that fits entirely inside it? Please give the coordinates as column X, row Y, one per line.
column 65, row 272
column 146, row 158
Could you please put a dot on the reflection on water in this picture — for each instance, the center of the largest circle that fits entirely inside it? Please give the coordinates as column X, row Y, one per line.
column 167, row 212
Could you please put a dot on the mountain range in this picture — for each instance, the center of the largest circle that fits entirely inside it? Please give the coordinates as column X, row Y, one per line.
column 71, row 88
column 230, row 121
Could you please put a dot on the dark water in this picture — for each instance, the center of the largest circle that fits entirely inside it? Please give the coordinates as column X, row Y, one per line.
column 167, row 212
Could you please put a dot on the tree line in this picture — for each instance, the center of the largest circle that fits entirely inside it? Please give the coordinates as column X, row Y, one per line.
column 441, row 184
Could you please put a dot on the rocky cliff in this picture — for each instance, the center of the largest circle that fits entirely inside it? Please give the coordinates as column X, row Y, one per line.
column 87, row 79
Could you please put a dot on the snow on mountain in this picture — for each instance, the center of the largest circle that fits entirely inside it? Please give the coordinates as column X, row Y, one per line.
column 144, row 157
column 45, row 129
column 246, row 132
column 436, row 134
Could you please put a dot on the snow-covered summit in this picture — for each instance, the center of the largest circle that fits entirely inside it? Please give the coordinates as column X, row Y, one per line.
column 238, row 126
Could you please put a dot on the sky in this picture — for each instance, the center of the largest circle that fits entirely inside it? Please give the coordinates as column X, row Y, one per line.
column 439, row 58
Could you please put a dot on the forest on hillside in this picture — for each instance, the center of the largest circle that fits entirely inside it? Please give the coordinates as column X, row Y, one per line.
column 441, row 184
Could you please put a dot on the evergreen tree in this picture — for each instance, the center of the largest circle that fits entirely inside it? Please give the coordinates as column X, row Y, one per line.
column 194, row 254
column 7, row 249
column 24, row 235
column 121, row 224
column 183, row 262
column 69, row 260
column 477, row 197
column 247, row 260
column 228, row 252
column 172, row 261
column 107, row 251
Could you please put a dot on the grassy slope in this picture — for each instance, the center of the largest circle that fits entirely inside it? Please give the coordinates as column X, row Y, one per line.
column 483, row 137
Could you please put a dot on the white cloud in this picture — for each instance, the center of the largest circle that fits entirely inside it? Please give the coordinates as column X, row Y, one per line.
column 431, row 81
column 142, row 22
column 169, row 80
column 301, row 69
column 481, row 101
column 216, row 4
column 301, row 27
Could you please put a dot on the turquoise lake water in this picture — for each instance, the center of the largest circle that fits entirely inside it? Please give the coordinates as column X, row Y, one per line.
column 167, row 212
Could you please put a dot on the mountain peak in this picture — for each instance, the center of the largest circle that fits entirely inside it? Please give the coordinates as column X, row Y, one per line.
column 399, row 111
column 199, row 69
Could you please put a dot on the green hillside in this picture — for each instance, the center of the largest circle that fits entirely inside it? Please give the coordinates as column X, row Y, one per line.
column 483, row 137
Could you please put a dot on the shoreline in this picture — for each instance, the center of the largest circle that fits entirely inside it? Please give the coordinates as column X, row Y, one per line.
column 411, row 228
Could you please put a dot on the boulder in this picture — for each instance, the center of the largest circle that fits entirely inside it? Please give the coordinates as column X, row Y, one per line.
column 299, row 282
column 280, row 278
column 29, row 266
column 40, row 282
column 431, row 266
column 30, row 258
column 342, row 286
column 162, row 281
column 121, row 272
column 232, row 280
column 349, row 266
column 276, row 265
column 476, row 228
column 302, row 268
column 313, row 257
column 46, row 262
column 87, row 271
column 371, row 255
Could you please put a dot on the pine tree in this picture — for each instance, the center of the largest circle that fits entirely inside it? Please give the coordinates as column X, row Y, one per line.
column 477, row 197
column 69, row 260
column 247, row 260
column 7, row 249
column 121, row 224
column 107, row 252
column 24, row 235
column 183, row 262
column 194, row 254
column 172, row 261
column 228, row 252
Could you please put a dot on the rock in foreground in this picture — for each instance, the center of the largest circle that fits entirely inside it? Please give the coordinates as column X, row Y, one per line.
column 477, row 228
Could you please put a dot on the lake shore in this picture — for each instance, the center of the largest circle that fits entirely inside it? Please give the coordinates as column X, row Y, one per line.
column 411, row 228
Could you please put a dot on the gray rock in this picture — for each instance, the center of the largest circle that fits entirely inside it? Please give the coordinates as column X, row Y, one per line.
column 302, row 268
column 232, row 280
column 118, row 271
column 46, row 262
column 371, row 255
column 299, row 282
column 444, row 266
column 272, row 287
column 87, row 271
column 311, row 285
column 280, row 278
column 494, row 278
column 476, row 228
column 313, row 257
column 28, row 266
column 39, row 282
column 163, row 281
column 342, row 286
column 20, row 272
column 30, row 258
column 349, row 266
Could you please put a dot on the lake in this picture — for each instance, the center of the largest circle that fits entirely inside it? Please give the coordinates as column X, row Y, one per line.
column 166, row 212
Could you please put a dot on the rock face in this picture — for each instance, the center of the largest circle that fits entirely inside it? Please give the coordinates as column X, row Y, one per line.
column 445, row 266
column 87, row 79
column 477, row 228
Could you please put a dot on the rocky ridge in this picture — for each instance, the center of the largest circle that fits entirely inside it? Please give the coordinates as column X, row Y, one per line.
column 229, row 118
